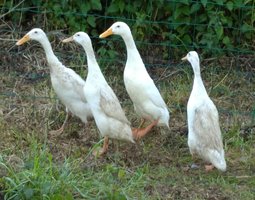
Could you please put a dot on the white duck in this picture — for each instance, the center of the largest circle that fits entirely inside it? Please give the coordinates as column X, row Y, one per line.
column 204, row 137
column 108, row 114
column 148, row 103
column 66, row 83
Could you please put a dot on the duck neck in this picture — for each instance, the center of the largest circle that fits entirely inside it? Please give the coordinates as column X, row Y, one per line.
column 52, row 60
column 198, row 82
column 93, row 67
column 132, row 51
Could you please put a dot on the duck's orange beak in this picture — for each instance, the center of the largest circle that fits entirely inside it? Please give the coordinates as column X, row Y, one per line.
column 106, row 33
column 70, row 39
column 185, row 58
column 23, row 40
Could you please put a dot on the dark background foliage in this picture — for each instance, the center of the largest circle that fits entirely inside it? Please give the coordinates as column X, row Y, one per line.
column 215, row 26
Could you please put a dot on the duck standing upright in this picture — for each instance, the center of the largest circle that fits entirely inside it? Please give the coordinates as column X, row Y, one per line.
column 66, row 83
column 108, row 114
column 148, row 103
column 204, row 137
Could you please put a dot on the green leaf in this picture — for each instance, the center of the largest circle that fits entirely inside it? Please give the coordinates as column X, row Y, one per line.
column 85, row 8
column 220, row 2
column 92, row 21
column 184, row 1
column 113, row 8
column 230, row 5
column 177, row 13
column 224, row 20
column 121, row 6
column 207, row 40
column 121, row 174
column 213, row 20
column 246, row 27
column 226, row 40
column 35, row 2
column 186, row 10
column 186, row 39
column 182, row 10
column 229, row 21
column 204, row 2
column 219, row 31
column 238, row 3
column 201, row 18
column 194, row 8
column 182, row 30
column 247, row 1
column 96, row 4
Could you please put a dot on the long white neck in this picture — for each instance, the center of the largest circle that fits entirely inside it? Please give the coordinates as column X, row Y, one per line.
column 52, row 60
column 93, row 67
column 132, row 52
column 198, row 84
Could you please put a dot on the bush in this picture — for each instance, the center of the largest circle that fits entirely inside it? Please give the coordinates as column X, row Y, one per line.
column 218, row 26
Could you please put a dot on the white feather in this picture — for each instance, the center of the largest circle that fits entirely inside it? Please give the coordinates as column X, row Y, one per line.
column 145, row 96
column 204, row 137
column 66, row 83
column 108, row 114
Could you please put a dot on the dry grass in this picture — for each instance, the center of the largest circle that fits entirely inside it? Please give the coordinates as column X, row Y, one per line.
column 153, row 168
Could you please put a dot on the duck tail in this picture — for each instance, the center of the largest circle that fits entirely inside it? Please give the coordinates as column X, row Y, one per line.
column 219, row 161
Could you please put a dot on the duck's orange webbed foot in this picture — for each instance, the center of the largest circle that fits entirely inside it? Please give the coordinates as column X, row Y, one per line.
column 103, row 150
column 56, row 133
column 141, row 132
column 209, row 168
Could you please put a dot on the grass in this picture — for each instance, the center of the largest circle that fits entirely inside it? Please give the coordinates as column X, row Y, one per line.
column 36, row 166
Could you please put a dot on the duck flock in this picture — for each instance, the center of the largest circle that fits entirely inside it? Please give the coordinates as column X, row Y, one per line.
column 94, row 98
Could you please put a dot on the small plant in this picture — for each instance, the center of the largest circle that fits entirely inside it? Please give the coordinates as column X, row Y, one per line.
column 38, row 179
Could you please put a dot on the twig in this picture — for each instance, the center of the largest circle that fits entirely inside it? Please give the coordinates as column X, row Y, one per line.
column 9, row 113
column 243, row 176
column 164, row 75
column 12, row 9
column 12, row 40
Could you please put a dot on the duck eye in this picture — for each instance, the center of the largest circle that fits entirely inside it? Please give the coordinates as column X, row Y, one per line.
column 118, row 26
column 36, row 32
column 78, row 35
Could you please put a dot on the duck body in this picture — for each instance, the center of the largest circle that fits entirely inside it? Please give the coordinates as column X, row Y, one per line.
column 103, row 103
column 66, row 83
column 142, row 90
column 203, row 124
column 146, row 98
column 108, row 114
column 204, row 136
column 69, row 88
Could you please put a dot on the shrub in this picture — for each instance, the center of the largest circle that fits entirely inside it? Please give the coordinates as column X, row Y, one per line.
column 217, row 26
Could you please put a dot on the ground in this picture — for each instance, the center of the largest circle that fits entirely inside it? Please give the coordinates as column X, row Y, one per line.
column 34, row 165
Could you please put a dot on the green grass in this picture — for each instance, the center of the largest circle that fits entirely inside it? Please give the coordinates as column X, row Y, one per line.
column 36, row 166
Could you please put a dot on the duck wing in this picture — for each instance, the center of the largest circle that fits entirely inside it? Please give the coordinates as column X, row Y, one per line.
column 206, row 126
column 109, row 103
column 77, row 83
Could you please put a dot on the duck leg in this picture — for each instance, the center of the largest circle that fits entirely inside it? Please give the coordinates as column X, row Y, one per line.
column 140, row 132
column 193, row 165
column 195, row 159
column 209, row 168
column 101, row 151
column 59, row 131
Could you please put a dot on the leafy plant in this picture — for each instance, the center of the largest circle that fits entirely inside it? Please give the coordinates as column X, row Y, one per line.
column 39, row 178
column 217, row 26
